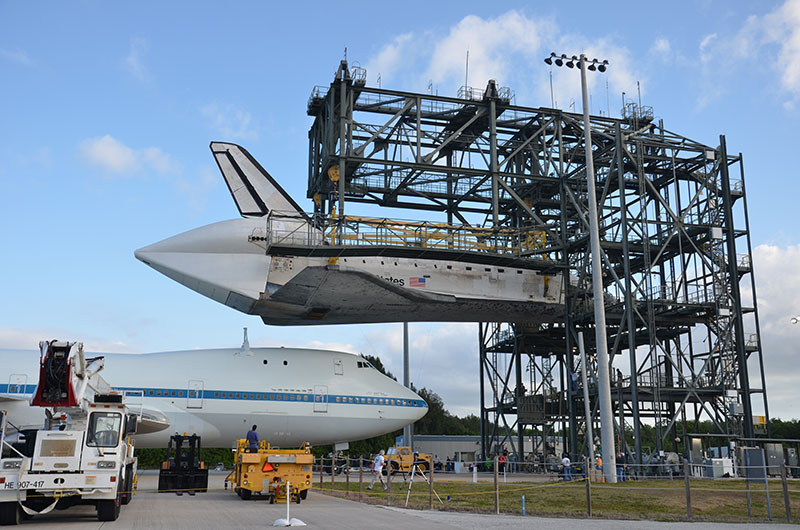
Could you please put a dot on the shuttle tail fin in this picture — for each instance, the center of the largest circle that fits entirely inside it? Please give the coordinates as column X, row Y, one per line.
column 253, row 189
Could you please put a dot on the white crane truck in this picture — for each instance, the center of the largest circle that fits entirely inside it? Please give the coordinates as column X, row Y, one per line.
column 83, row 455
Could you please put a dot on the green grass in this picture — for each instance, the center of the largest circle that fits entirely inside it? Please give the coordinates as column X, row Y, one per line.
column 720, row 500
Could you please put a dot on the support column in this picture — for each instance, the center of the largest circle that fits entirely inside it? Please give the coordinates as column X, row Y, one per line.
column 733, row 274
column 408, row 430
column 630, row 300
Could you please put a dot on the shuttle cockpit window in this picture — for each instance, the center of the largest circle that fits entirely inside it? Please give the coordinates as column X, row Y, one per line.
column 104, row 429
column 365, row 364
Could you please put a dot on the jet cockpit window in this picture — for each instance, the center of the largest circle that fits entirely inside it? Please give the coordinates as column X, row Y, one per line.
column 104, row 429
column 365, row 364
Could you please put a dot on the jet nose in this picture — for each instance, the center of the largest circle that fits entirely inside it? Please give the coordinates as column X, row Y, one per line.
column 417, row 407
column 218, row 261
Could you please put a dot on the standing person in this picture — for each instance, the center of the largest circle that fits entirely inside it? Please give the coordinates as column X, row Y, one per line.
column 501, row 460
column 567, row 464
column 377, row 469
column 252, row 440
column 621, row 467
column 598, row 465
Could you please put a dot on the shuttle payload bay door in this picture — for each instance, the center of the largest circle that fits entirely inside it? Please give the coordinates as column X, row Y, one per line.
column 320, row 398
column 194, row 395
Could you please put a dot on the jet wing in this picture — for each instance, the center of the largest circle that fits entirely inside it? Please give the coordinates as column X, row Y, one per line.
column 254, row 190
column 334, row 286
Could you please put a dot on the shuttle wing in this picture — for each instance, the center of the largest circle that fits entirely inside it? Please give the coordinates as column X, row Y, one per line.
column 333, row 286
column 254, row 190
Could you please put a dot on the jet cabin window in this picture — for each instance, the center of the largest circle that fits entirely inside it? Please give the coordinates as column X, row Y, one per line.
column 104, row 429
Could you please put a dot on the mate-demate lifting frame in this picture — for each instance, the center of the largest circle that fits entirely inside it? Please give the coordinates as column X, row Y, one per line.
column 674, row 235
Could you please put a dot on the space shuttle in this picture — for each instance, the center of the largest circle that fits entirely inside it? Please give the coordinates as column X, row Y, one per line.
column 275, row 263
column 293, row 395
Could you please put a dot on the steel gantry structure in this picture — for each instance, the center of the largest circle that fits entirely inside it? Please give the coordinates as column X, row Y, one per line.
column 683, row 343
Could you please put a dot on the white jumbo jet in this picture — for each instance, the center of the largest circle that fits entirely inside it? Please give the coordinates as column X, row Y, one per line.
column 293, row 395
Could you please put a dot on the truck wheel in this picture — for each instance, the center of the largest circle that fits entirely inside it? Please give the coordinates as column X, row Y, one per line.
column 297, row 498
column 423, row 467
column 272, row 499
column 304, row 494
column 246, row 494
column 395, row 467
column 108, row 510
column 10, row 513
column 127, row 494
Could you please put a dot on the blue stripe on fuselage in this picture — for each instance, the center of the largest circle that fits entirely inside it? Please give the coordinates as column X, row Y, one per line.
column 296, row 397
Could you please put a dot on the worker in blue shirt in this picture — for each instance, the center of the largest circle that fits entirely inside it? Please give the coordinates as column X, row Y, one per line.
column 252, row 439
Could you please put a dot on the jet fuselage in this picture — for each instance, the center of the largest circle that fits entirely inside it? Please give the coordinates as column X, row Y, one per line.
column 293, row 395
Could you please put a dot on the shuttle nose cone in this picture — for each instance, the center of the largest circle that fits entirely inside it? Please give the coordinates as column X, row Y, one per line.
column 217, row 261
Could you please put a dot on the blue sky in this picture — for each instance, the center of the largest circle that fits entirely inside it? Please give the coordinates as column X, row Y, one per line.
column 108, row 108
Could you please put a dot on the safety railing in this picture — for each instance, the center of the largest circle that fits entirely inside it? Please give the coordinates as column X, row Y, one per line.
column 365, row 231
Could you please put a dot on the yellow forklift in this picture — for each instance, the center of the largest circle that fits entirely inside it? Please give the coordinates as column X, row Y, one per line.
column 266, row 472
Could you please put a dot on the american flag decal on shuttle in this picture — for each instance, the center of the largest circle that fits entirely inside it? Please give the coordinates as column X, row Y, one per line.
column 416, row 282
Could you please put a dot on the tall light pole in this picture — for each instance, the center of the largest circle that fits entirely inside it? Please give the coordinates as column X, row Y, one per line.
column 604, row 380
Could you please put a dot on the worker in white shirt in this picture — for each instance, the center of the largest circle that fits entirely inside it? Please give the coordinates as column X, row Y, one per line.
column 377, row 469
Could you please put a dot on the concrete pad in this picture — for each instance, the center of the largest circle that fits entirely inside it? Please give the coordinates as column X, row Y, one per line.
column 219, row 508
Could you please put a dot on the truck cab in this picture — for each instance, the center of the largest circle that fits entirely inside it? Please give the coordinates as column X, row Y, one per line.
column 82, row 455
column 402, row 459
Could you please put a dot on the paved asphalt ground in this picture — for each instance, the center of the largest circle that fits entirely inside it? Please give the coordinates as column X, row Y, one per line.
column 220, row 509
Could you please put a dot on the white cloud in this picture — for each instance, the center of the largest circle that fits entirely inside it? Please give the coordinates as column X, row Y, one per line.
column 390, row 57
column 17, row 56
column 492, row 45
column 443, row 358
column 198, row 188
column 705, row 45
column 28, row 339
column 509, row 48
column 782, row 27
column 661, row 46
column 777, row 271
column 113, row 156
column 158, row 160
column 110, row 154
column 230, row 121
column 134, row 61
column 770, row 41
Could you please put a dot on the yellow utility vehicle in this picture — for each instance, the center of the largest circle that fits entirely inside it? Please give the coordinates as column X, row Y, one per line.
column 267, row 471
column 401, row 459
